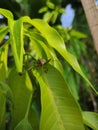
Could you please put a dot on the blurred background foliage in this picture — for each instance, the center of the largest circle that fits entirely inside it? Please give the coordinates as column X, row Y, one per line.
column 77, row 38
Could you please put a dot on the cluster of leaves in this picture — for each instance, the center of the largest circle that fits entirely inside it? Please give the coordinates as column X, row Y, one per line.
column 33, row 91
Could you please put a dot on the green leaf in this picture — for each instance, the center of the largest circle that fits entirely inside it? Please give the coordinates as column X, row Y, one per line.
column 6, row 13
column 8, row 96
column 6, row 90
column 90, row 119
column 77, row 34
column 22, row 92
column 3, row 32
column 2, row 109
column 34, row 117
column 16, row 37
column 17, row 44
column 23, row 125
column 55, row 41
column 3, row 62
column 40, row 42
column 51, row 35
column 60, row 111
column 43, row 9
column 72, row 83
column 47, row 16
column 50, row 5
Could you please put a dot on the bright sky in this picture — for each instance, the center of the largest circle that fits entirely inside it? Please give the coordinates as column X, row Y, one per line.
column 97, row 2
column 1, row 16
column 68, row 16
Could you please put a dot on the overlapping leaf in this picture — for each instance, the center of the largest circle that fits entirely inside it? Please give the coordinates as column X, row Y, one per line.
column 16, row 37
column 5, row 95
column 2, row 109
column 60, row 111
column 90, row 119
column 17, row 43
column 3, row 32
column 22, row 90
column 41, row 43
column 55, row 41
column 3, row 62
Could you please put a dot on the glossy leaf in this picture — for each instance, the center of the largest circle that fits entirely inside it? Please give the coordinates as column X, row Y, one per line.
column 3, row 62
column 55, row 41
column 6, row 13
column 16, row 37
column 3, row 32
column 90, row 119
column 60, row 110
column 17, row 44
column 22, row 91
column 41, row 43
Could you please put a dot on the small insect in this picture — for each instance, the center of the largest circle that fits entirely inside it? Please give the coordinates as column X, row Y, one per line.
column 42, row 62
column 39, row 63
column 31, row 63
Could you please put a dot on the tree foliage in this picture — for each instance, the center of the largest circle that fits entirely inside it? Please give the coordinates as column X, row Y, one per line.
column 39, row 81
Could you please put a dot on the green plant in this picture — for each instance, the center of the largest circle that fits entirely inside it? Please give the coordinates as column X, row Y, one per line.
column 33, row 91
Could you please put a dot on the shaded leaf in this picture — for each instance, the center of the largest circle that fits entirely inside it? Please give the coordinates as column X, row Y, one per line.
column 3, row 32
column 77, row 34
column 23, row 125
column 22, row 92
column 17, row 44
column 2, row 110
column 34, row 117
column 8, row 108
column 3, row 62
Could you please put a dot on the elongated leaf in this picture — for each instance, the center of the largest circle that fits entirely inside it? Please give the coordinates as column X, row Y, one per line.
column 60, row 111
column 57, row 43
column 16, row 37
column 42, row 43
column 72, row 84
column 6, row 13
column 22, row 90
column 77, row 34
column 91, row 119
column 2, row 110
column 38, row 48
column 49, row 33
column 16, row 34
column 3, row 32
column 3, row 62
column 7, row 93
